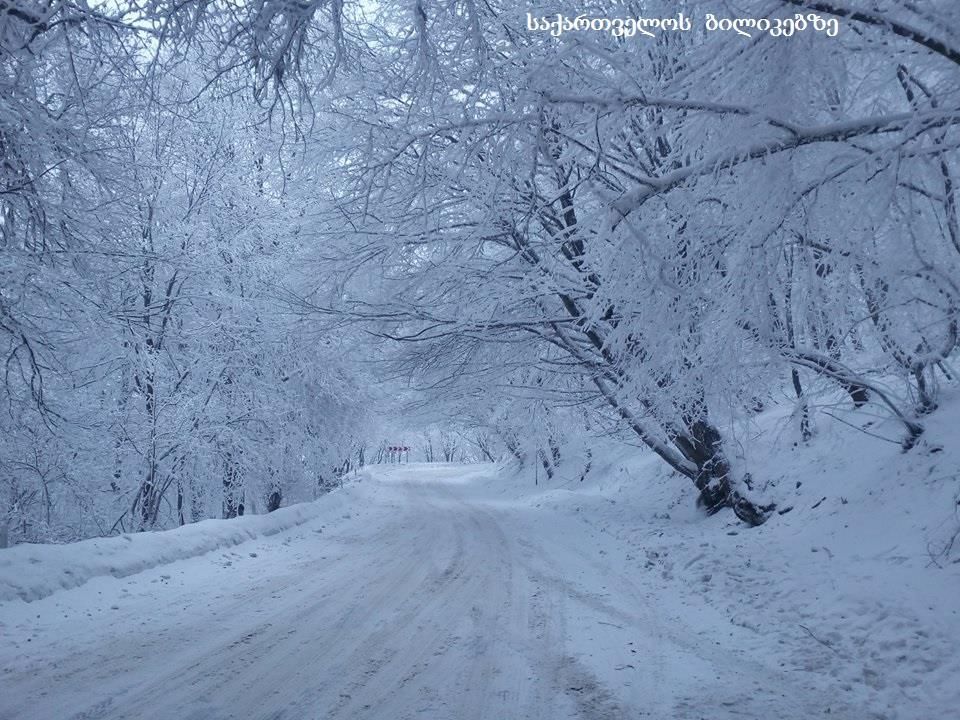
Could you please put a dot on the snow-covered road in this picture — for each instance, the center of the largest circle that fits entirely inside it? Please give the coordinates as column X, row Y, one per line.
column 431, row 598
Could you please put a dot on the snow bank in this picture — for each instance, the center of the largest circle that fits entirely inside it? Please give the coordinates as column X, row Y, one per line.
column 32, row 571
column 853, row 588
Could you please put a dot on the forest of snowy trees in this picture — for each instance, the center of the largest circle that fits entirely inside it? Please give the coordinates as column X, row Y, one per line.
column 238, row 240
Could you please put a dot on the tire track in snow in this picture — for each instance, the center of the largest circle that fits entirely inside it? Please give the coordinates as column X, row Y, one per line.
column 431, row 604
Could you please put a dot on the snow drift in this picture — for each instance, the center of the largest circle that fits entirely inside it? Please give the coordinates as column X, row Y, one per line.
column 34, row 571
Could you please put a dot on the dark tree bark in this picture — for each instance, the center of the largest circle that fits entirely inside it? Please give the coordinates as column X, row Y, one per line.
column 274, row 499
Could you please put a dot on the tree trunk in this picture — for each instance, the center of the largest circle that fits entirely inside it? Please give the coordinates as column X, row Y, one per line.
column 232, row 502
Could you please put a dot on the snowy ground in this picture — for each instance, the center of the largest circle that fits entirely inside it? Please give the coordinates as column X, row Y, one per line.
column 452, row 592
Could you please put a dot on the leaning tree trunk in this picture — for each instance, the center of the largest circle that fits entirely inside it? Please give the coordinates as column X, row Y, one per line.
column 702, row 445
column 695, row 451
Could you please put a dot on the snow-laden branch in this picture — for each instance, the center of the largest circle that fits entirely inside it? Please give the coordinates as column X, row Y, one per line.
column 814, row 360
column 650, row 187
column 619, row 101
column 922, row 37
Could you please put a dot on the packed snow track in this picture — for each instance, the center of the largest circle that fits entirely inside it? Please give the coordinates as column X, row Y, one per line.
column 432, row 597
